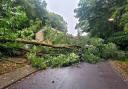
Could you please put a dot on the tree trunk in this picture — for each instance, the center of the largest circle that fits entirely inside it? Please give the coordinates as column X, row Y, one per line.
column 34, row 42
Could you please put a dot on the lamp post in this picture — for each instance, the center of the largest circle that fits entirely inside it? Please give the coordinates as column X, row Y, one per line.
column 111, row 20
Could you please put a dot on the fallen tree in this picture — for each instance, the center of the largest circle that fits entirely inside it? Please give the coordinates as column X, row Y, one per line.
column 34, row 42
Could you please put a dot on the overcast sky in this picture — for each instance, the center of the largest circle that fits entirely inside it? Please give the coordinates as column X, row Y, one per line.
column 65, row 8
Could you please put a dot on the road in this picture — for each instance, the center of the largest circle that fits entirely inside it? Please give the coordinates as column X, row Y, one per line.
column 82, row 76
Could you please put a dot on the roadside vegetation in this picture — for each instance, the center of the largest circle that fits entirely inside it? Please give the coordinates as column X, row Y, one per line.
column 121, row 67
column 106, row 22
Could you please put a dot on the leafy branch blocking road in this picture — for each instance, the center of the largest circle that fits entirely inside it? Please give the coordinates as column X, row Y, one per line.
column 50, row 55
column 44, row 55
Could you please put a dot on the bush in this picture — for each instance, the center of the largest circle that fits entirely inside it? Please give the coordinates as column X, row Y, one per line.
column 90, row 55
column 108, row 50
column 120, row 39
column 91, row 58
column 93, row 53
column 95, row 41
column 120, row 55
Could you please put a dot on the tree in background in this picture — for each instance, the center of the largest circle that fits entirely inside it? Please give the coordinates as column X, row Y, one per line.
column 94, row 17
column 57, row 22
column 38, row 9
column 12, row 18
column 35, row 9
column 18, row 15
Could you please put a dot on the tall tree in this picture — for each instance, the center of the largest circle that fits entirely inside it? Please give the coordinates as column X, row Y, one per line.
column 103, row 18
column 57, row 22
column 35, row 9
column 93, row 16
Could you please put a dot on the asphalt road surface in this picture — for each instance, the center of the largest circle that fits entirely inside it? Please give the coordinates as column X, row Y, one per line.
column 82, row 76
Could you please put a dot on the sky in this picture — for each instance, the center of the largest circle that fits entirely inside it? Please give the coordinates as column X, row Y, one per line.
column 65, row 8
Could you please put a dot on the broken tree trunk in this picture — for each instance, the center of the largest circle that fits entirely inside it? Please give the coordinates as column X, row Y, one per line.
column 34, row 42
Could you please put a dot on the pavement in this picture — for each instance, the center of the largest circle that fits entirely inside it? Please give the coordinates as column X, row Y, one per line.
column 82, row 76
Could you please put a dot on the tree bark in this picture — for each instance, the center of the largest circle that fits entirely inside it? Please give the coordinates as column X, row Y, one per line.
column 34, row 42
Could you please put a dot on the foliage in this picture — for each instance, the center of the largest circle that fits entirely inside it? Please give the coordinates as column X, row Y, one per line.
column 95, row 41
column 36, row 61
column 81, row 41
column 57, row 22
column 92, row 14
column 103, row 18
column 91, row 58
column 52, row 61
column 52, row 58
column 57, row 37
column 121, row 39
column 22, row 19
column 62, row 60
column 29, row 32
column 90, row 55
column 35, row 9
column 108, row 50
column 89, row 41
column 121, row 55
column 16, row 17
column 12, row 19
column 8, row 49
column 95, row 49
column 38, row 9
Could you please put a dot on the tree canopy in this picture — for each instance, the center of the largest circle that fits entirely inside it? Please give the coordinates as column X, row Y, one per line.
column 57, row 22
column 103, row 18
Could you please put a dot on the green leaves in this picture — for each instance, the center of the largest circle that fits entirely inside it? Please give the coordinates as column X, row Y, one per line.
column 56, row 37
column 14, row 18
column 121, row 39
column 52, row 61
column 57, row 22
column 94, row 17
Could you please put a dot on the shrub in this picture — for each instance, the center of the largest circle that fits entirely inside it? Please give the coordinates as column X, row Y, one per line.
column 93, row 53
column 95, row 41
column 120, row 39
column 120, row 55
column 108, row 50
column 90, row 55
column 91, row 58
